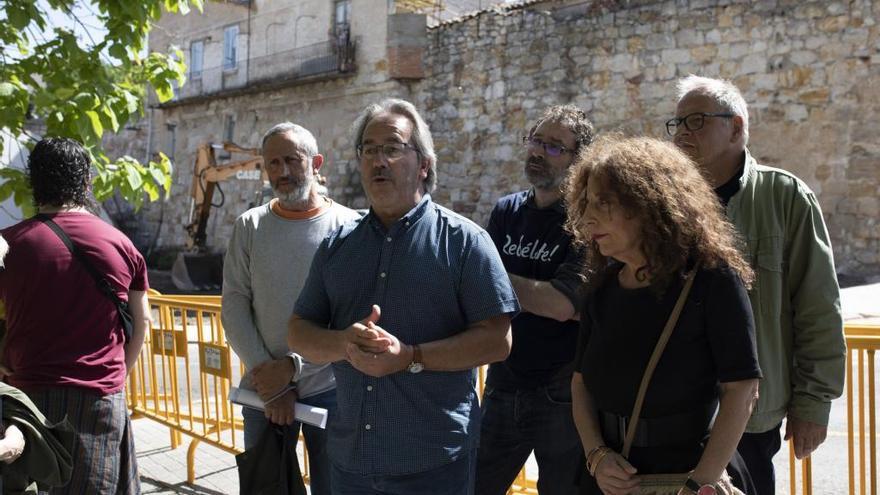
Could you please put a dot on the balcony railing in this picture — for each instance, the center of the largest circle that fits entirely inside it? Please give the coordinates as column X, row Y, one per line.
column 328, row 58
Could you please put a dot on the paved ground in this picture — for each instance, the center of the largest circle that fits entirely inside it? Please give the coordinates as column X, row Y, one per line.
column 163, row 470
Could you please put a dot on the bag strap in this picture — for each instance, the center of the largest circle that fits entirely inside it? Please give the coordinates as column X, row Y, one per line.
column 102, row 282
column 655, row 358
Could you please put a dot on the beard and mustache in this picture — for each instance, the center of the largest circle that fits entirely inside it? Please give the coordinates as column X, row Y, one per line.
column 298, row 191
column 541, row 175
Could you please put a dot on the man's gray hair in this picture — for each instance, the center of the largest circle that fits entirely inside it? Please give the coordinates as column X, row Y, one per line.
column 724, row 92
column 303, row 138
column 421, row 134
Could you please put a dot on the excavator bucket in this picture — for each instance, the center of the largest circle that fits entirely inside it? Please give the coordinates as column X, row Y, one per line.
column 198, row 272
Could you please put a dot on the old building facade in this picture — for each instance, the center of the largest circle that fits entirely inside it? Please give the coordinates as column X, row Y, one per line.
column 810, row 71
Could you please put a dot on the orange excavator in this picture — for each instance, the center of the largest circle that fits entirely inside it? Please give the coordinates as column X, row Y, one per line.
column 198, row 268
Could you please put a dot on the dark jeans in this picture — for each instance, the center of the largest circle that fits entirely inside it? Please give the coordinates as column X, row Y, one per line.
column 316, row 439
column 757, row 450
column 515, row 423
column 455, row 478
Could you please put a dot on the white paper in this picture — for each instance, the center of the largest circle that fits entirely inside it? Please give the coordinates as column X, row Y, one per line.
column 304, row 413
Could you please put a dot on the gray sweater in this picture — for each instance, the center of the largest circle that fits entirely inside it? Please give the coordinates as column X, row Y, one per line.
column 266, row 265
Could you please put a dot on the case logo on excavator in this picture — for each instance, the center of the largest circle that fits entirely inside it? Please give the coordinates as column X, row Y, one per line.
column 248, row 175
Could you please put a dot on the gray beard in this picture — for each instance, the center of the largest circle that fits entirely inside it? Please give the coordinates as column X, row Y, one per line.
column 298, row 196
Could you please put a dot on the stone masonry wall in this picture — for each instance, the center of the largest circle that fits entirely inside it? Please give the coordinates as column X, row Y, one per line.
column 810, row 71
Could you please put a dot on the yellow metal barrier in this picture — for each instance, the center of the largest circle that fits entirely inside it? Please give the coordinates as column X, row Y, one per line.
column 862, row 343
column 190, row 395
column 183, row 375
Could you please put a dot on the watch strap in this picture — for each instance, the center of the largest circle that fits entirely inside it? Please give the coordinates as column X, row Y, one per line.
column 692, row 485
column 297, row 365
column 417, row 354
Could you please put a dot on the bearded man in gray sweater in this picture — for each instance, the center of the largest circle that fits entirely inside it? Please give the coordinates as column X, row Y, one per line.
column 267, row 261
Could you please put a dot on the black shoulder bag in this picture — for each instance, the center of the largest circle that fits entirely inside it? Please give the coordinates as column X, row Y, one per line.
column 103, row 284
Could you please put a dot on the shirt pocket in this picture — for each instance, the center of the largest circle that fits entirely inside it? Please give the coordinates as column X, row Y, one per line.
column 767, row 261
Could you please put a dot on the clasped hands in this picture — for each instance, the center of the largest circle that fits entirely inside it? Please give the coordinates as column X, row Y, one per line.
column 374, row 351
column 269, row 379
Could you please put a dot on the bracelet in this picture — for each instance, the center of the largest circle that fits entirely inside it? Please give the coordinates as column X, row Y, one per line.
column 599, row 457
column 592, row 455
column 595, row 457
column 592, row 452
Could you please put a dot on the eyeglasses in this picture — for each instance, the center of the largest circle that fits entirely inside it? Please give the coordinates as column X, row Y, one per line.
column 391, row 151
column 692, row 122
column 549, row 148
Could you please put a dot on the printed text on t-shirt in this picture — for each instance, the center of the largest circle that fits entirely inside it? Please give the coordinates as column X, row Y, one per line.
column 530, row 250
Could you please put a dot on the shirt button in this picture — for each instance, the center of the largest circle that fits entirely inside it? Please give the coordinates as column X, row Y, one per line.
column 382, row 274
column 367, row 427
column 369, row 388
column 407, row 224
column 388, row 239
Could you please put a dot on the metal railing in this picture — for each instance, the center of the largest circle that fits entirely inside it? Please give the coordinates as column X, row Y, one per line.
column 185, row 369
column 862, row 343
column 183, row 375
column 319, row 59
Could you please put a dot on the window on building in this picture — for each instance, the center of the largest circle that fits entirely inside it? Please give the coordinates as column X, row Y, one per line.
column 342, row 17
column 196, row 59
column 171, row 146
column 228, row 134
column 230, row 47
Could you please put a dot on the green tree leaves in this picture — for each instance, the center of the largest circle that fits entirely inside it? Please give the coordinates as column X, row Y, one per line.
column 82, row 90
column 133, row 180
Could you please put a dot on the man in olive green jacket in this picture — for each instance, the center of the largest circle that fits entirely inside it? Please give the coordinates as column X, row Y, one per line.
column 795, row 298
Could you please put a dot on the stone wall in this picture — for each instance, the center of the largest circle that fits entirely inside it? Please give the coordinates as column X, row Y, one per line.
column 810, row 71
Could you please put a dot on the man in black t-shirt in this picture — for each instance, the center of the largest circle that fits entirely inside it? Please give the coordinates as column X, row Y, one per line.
column 527, row 403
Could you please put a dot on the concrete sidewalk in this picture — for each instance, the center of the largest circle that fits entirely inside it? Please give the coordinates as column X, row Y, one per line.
column 163, row 470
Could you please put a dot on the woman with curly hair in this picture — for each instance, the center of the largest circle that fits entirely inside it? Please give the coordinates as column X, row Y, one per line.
column 647, row 219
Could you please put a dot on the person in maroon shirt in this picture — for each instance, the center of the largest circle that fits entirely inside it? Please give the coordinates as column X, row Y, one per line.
column 65, row 346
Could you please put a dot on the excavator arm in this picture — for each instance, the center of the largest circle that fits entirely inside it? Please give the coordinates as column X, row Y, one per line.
column 206, row 175
column 199, row 268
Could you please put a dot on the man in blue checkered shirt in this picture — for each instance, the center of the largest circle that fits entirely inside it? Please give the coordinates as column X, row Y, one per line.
column 405, row 303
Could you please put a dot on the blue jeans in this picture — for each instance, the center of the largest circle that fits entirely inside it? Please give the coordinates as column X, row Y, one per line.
column 515, row 423
column 316, row 439
column 455, row 478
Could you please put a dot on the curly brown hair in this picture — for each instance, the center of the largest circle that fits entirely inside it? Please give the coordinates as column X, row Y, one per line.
column 682, row 220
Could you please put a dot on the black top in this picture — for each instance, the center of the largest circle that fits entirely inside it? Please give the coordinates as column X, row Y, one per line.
column 714, row 341
column 731, row 187
column 533, row 244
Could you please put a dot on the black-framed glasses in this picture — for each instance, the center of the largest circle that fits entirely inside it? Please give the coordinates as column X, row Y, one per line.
column 692, row 121
column 549, row 148
column 391, row 151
